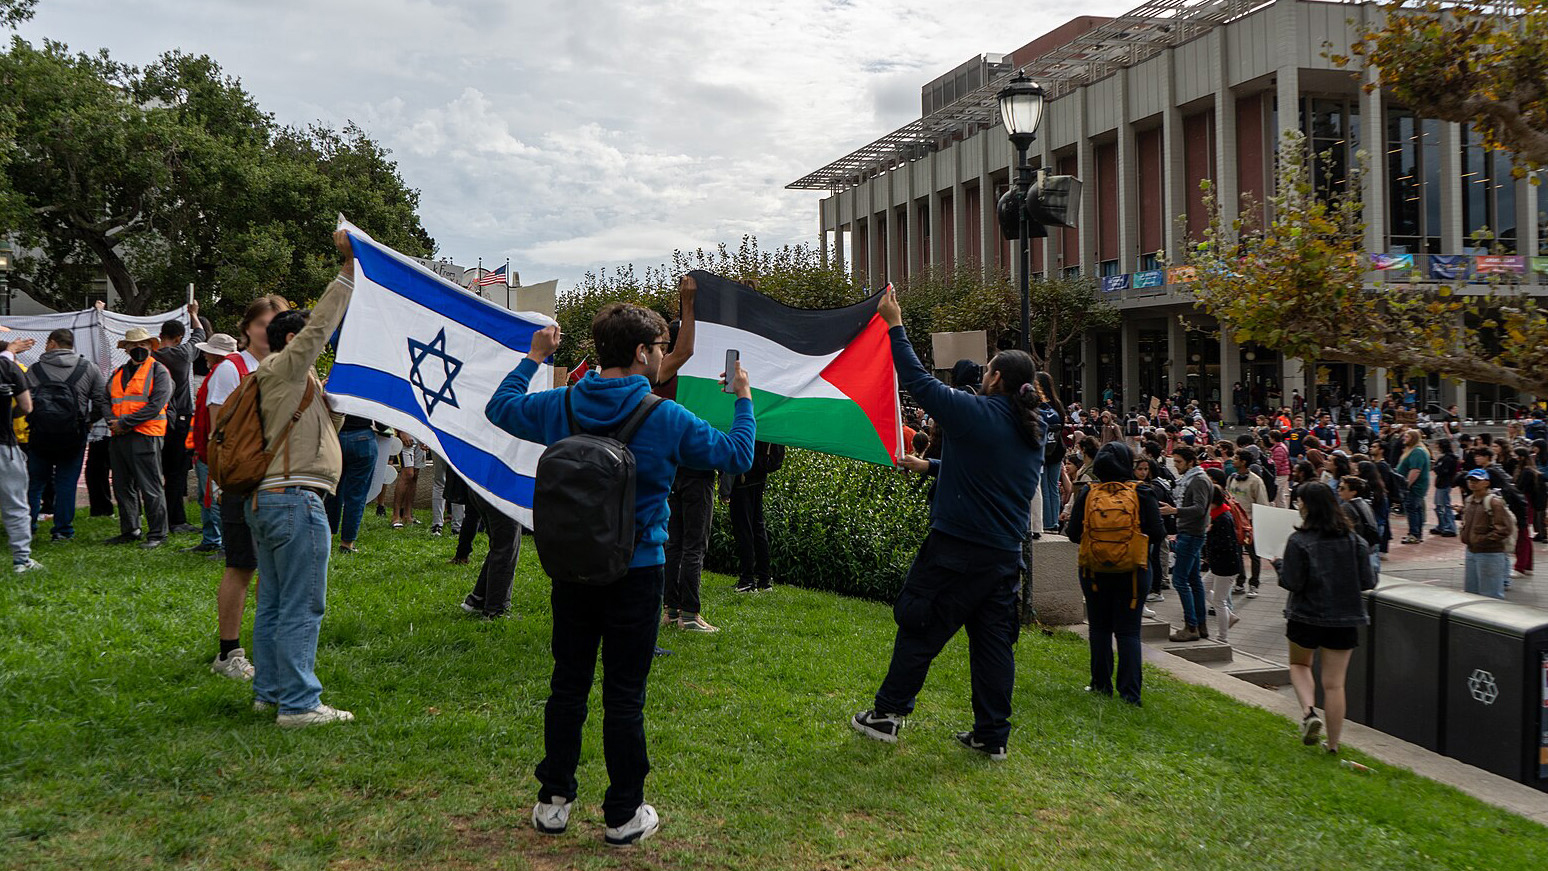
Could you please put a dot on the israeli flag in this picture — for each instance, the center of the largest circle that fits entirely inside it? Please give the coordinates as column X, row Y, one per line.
column 421, row 354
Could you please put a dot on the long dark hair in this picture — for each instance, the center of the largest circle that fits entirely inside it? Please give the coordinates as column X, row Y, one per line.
column 1017, row 371
column 1045, row 385
column 1375, row 487
column 1320, row 512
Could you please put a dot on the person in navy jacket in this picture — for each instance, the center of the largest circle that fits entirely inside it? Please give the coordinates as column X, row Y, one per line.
column 967, row 573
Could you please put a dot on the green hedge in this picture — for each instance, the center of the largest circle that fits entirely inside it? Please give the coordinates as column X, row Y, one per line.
column 835, row 524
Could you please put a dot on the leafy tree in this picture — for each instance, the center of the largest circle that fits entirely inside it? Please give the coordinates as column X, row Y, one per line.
column 173, row 175
column 1296, row 284
column 1467, row 62
column 14, row 12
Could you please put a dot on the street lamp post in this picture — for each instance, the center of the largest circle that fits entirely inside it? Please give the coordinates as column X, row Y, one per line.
column 5, row 277
column 1021, row 110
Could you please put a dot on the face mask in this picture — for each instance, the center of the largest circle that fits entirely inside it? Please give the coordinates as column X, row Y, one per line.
column 139, row 354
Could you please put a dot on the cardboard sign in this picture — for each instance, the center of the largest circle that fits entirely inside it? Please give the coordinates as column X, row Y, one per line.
column 1271, row 528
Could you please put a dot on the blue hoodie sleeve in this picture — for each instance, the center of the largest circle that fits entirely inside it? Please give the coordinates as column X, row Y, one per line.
column 950, row 407
column 523, row 416
column 701, row 446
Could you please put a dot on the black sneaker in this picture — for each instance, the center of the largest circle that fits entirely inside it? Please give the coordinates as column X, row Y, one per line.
column 882, row 727
column 473, row 605
column 184, row 529
column 59, row 537
column 660, row 651
column 746, row 587
column 436, row 530
column 1311, row 727
column 381, row 511
column 765, row 586
column 123, row 539
column 995, row 752
column 202, row 547
column 152, row 543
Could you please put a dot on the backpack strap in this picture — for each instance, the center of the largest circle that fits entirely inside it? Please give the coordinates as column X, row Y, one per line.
column 636, row 419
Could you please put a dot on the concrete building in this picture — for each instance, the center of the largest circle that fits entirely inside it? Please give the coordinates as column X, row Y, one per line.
column 1143, row 107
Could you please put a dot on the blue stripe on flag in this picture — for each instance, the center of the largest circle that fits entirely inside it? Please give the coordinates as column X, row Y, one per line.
column 472, row 462
column 432, row 292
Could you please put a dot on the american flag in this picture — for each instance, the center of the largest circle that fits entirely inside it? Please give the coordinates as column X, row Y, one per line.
column 495, row 277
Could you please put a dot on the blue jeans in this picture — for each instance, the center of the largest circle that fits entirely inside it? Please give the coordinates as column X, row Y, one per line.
column 359, row 448
column 1050, row 487
column 291, row 534
column 1187, row 580
column 1486, row 573
column 1445, row 516
column 1413, row 506
column 63, row 468
column 209, row 515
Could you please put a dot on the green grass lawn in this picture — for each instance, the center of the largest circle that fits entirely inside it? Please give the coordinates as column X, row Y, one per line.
column 119, row 748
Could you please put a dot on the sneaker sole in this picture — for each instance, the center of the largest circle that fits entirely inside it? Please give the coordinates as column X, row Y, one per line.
column 1313, row 732
column 545, row 830
column 873, row 734
column 303, row 724
column 632, row 839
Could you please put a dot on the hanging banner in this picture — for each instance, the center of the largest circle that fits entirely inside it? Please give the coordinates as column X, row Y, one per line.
column 1392, row 261
column 1539, row 264
column 1115, row 283
column 1181, row 274
column 1151, row 278
column 1488, row 264
column 1448, row 266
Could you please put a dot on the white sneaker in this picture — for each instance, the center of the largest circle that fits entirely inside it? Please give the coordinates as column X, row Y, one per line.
column 551, row 818
column 31, row 565
column 1149, row 612
column 1155, row 597
column 234, row 666
column 695, row 623
column 1513, row 573
column 643, row 825
column 318, row 716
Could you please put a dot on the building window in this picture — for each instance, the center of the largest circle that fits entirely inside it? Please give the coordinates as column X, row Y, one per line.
column 1071, row 272
column 1488, row 197
column 1148, row 262
column 1109, row 268
column 1328, row 134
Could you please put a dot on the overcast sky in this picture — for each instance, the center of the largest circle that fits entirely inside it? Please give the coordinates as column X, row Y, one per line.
column 576, row 135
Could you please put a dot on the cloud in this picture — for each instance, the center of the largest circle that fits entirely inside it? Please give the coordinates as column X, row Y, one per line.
column 577, row 135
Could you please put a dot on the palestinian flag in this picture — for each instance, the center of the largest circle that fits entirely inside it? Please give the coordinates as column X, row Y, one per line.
column 821, row 379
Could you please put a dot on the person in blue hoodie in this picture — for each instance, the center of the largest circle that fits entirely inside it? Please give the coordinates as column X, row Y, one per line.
column 967, row 572
column 620, row 618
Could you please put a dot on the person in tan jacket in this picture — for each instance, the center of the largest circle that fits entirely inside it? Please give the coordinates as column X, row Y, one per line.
column 1487, row 530
column 289, row 524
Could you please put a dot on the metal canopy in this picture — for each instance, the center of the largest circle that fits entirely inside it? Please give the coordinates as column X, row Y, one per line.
column 1122, row 42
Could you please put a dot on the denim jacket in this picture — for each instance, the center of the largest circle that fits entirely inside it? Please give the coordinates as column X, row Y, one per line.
column 1325, row 576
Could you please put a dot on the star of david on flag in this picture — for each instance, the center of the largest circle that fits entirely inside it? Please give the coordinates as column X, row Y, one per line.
column 423, row 355
column 419, row 353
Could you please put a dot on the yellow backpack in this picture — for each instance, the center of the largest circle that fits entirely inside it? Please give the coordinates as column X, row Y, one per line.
column 1111, row 541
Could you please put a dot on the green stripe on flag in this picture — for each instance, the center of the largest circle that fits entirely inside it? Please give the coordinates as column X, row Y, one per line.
column 831, row 426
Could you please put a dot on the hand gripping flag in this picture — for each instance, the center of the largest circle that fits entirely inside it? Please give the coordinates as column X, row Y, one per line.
column 421, row 354
column 821, row 379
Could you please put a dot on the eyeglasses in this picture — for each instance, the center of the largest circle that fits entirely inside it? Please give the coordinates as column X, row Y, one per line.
column 662, row 344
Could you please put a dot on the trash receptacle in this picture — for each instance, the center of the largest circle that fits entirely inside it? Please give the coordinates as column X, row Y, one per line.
column 1497, row 690
column 1357, row 682
column 1408, row 660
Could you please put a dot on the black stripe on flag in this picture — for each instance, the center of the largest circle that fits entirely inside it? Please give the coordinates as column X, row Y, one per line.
column 810, row 332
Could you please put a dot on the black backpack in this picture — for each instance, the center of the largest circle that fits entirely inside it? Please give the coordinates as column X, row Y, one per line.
column 583, row 503
column 776, row 458
column 55, row 411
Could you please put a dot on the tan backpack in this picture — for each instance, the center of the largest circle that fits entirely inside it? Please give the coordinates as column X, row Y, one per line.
column 238, row 457
column 1110, row 540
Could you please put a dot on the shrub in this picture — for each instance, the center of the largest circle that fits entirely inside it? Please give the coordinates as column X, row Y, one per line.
column 836, row 524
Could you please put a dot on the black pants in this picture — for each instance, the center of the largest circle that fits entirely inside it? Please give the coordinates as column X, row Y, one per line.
column 492, row 592
column 621, row 619
column 752, row 537
column 98, row 490
column 176, row 463
column 137, row 481
column 471, row 524
column 1113, row 609
column 692, row 504
column 1157, row 576
column 954, row 584
column 1251, row 551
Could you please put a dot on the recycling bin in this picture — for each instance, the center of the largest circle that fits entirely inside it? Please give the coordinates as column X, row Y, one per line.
column 1408, row 660
column 1357, row 682
column 1496, row 690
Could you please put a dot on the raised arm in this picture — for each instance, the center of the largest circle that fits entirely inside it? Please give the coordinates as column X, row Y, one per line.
column 941, row 402
column 682, row 350
column 301, row 353
column 509, row 407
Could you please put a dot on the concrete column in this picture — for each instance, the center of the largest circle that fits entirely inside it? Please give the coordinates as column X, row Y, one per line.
column 1177, row 353
column 988, row 233
column 1377, row 383
column 876, row 246
column 857, row 268
column 1526, row 221
column 1226, row 188
column 1451, row 181
column 933, row 203
column 912, row 237
column 1128, row 188
column 1287, row 77
column 1051, row 265
column 1293, row 378
column 1090, row 390
column 1173, row 167
column 838, row 236
column 1085, row 158
column 822, row 232
column 1373, row 141
column 958, row 217
column 1128, row 344
column 1230, row 371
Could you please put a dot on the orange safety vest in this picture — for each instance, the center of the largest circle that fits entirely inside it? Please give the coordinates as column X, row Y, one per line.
column 128, row 400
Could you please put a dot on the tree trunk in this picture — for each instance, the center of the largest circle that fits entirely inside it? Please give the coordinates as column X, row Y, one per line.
column 131, row 300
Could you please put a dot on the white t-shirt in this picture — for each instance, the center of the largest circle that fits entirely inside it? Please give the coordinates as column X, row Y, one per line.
column 223, row 381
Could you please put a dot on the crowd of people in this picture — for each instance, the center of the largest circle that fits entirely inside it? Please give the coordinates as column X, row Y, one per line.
column 1155, row 502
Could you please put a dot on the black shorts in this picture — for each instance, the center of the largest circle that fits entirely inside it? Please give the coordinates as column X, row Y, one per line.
column 1329, row 637
column 237, row 536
